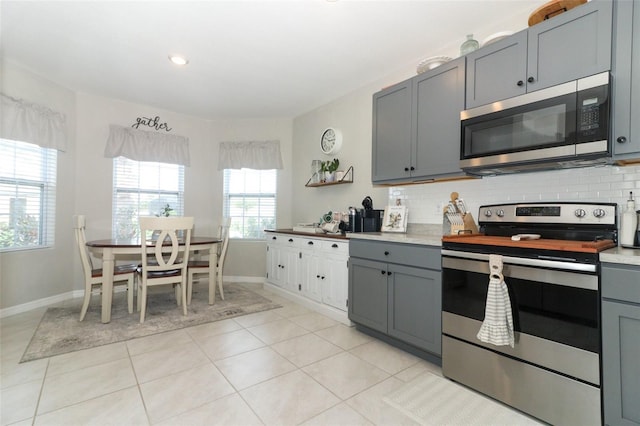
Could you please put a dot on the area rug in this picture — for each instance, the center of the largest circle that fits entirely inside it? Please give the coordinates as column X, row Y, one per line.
column 434, row 400
column 60, row 331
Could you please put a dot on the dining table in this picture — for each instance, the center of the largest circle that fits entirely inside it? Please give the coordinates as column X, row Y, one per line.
column 109, row 249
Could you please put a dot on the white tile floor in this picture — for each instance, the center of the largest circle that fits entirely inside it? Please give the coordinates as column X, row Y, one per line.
column 287, row 366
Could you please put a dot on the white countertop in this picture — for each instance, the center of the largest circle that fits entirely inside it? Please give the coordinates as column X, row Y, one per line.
column 424, row 234
column 621, row 255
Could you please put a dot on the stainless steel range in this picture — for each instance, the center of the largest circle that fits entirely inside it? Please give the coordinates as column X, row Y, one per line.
column 552, row 272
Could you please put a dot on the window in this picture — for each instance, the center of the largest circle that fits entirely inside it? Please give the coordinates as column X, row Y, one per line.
column 250, row 202
column 143, row 188
column 27, row 195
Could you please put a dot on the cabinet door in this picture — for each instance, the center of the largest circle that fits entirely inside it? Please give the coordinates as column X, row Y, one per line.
column 569, row 46
column 621, row 363
column 626, row 72
column 415, row 306
column 497, row 71
column 274, row 270
column 335, row 286
column 438, row 100
column 392, row 133
column 311, row 276
column 289, row 268
column 368, row 293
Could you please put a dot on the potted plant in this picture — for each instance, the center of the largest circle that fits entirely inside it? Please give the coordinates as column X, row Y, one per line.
column 329, row 168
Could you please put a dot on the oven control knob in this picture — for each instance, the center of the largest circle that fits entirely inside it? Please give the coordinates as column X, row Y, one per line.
column 487, row 213
column 580, row 213
column 599, row 213
column 500, row 213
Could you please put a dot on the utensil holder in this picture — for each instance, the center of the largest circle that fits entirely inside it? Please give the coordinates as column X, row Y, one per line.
column 458, row 223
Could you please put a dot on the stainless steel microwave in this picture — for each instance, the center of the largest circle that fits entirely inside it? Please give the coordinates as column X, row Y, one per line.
column 562, row 126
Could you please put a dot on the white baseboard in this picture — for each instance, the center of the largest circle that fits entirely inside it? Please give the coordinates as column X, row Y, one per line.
column 330, row 311
column 40, row 303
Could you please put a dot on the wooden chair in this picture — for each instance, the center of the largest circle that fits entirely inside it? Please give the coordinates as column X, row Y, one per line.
column 92, row 277
column 164, row 259
column 203, row 267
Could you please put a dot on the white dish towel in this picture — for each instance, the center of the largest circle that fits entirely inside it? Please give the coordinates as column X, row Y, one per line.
column 497, row 327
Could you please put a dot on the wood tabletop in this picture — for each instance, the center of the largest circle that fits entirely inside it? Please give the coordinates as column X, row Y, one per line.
column 136, row 242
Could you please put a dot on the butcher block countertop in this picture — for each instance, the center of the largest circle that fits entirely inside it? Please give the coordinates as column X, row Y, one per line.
column 542, row 244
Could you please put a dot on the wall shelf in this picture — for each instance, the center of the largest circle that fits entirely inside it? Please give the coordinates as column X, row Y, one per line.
column 347, row 178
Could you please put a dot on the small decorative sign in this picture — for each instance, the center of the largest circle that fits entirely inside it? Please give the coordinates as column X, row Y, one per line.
column 151, row 122
column 395, row 219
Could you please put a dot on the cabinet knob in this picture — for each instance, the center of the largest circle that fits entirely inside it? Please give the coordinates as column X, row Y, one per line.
column 322, row 278
column 531, row 79
column 386, row 253
column 310, row 243
column 621, row 139
column 383, row 272
column 406, row 169
column 274, row 238
column 334, row 245
column 388, row 273
column 520, row 83
column 412, row 168
column 317, row 276
column 290, row 240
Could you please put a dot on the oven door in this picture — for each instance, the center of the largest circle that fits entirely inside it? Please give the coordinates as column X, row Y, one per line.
column 555, row 307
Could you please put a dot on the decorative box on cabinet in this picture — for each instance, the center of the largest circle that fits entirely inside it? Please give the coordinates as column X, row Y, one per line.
column 312, row 271
column 567, row 47
column 395, row 289
column 416, row 127
column 621, row 344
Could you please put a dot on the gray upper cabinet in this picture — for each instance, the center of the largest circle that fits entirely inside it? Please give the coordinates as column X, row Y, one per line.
column 416, row 126
column 626, row 74
column 392, row 132
column 437, row 102
column 569, row 46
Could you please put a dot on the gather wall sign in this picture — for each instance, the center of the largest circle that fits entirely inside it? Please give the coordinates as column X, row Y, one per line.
column 151, row 122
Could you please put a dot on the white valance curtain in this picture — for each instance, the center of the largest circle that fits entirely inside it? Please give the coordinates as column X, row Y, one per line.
column 28, row 122
column 257, row 155
column 141, row 145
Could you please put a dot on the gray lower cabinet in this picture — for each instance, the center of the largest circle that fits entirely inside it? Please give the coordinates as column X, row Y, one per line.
column 621, row 344
column 626, row 74
column 416, row 126
column 567, row 47
column 396, row 289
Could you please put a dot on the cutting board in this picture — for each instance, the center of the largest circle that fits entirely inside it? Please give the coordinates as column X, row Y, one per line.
column 551, row 9
column 542, row 244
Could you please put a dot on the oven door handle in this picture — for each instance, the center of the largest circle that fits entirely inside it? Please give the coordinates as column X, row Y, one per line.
column 523, row 261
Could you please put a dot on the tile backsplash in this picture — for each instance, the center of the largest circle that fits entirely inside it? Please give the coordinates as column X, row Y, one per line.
column 609, row 184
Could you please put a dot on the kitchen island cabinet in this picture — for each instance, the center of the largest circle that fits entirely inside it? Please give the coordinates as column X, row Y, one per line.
column 621, row 343
column 569, row 46
column 626, row 90
column 395, row 289
column 311, row 270
column 416, row 127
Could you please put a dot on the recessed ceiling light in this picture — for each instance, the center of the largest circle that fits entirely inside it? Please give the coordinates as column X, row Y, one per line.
column 178, row 60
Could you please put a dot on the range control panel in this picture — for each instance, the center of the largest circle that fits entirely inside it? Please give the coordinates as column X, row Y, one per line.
column 548, row 213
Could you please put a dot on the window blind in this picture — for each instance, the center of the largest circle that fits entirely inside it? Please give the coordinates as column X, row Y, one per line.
column 27, row 195
column 250, row 202
column 144, row 189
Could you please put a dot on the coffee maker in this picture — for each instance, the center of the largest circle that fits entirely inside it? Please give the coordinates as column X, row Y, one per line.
column 367, row 219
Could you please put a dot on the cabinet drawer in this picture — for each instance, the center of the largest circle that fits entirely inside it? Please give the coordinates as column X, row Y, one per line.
column 308, row 243
column 621, row 282
column 405, row 254
column 283, row 239
column 335, row 247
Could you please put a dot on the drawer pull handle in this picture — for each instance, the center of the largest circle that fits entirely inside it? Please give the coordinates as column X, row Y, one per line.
column 334, row 245
column 274, row 238
column 290, row 240
column 310, row 243
column 386, row 253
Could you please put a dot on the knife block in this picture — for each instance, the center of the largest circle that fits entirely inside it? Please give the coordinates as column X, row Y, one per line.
column 458, row 223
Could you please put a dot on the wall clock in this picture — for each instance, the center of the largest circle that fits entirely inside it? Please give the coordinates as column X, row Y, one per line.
column 331, row 141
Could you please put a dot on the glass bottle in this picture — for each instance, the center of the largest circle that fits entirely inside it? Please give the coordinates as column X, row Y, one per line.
column 316, row 166
column 469, row 45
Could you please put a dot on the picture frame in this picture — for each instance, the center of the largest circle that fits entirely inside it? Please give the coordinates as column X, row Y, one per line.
column 394, row 219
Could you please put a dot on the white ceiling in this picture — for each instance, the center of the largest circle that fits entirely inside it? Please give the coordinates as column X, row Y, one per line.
column 248, row 59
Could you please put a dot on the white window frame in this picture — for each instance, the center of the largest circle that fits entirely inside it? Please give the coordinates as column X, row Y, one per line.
column 141, row 181
column 241, row 226
column 27, row 195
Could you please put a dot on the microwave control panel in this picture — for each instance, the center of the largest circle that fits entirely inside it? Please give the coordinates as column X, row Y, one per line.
column 593, row 114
